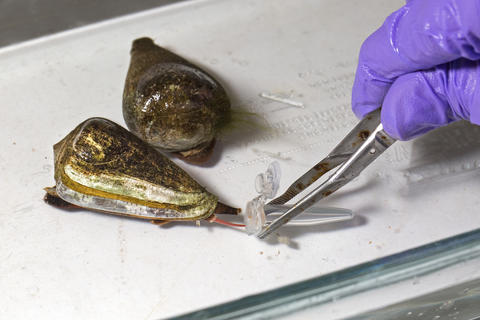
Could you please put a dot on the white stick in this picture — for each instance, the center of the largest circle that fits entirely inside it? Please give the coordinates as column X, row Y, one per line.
column 282, row 100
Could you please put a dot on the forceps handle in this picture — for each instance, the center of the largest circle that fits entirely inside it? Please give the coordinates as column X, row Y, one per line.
column 341, row 153
column 374, row 145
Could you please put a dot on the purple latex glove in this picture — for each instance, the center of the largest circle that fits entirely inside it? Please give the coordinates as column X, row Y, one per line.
column 422, row 67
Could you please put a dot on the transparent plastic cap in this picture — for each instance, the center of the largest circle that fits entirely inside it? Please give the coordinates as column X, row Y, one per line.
column 254, row 216
column 267, row 183
column 259, row 214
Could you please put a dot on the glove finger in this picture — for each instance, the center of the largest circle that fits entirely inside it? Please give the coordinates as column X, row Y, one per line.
column 424, row 100
column 418, row 36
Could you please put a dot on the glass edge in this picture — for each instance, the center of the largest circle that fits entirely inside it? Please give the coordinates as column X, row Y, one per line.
column 366, row 276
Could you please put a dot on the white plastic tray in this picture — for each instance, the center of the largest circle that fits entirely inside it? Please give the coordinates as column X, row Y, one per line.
column 87, row 265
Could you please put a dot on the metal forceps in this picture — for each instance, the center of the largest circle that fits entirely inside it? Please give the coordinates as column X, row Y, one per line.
column 354, row 153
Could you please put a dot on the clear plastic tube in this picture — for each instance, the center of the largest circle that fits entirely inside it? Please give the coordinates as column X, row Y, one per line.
column 259, row 214
column 312, row 216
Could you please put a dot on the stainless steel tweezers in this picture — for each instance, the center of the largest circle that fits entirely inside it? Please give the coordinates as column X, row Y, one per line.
column 354, row 153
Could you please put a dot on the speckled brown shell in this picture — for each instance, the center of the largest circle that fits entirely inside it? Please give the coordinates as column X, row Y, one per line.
column 171, row 103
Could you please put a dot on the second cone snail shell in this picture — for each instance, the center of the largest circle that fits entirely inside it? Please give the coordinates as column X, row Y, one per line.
column 171, row 103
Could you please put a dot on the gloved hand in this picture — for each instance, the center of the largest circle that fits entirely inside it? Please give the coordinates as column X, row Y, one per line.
column 422, row 67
